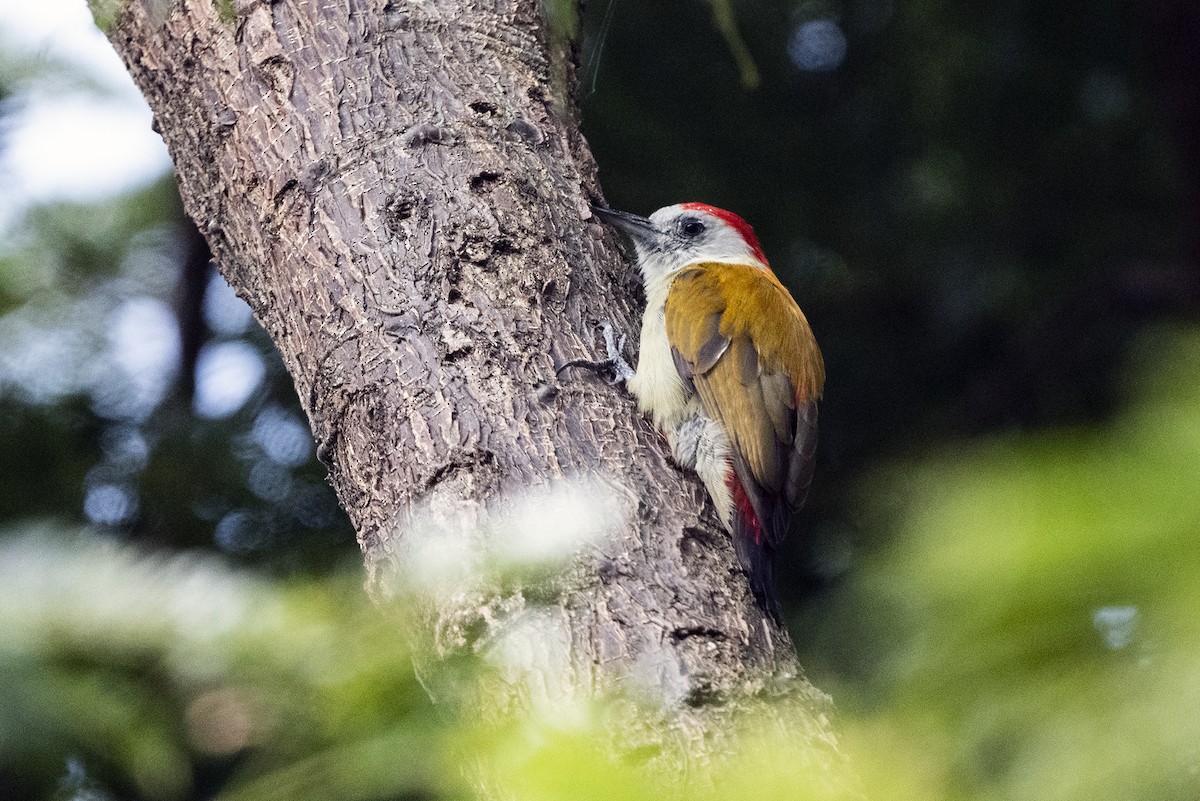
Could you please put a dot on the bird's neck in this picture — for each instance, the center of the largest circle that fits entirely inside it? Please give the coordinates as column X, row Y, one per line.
column 658, row 272
column 658, row 286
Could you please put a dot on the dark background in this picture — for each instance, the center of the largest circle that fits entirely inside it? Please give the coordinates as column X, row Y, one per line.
column 978, row 209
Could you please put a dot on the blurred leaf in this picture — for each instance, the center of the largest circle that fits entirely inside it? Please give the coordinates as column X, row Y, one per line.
column 726, row 23
column 1041, row 595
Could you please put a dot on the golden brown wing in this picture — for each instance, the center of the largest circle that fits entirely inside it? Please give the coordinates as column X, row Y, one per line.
column 741, row 341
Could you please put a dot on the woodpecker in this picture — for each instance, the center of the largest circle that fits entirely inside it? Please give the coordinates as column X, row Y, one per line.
column 728, row 370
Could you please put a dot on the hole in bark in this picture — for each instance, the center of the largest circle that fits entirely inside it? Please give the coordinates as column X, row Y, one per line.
column 454, row 296
column 678, row 635
column 703, row 695
column 503, row 246
column 463, row 460
column 288, row 186
column 483, row 107
column 483, row 179
column 441, row 473
column 278, row 72
column 427, row 134
column 397, row 210
column 458, row 354
column 530, row 134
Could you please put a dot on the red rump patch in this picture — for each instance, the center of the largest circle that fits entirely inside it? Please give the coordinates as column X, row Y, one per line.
column 735, row 222
column 745, row 509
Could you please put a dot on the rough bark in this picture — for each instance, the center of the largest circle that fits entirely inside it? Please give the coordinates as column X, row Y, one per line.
column 401, row 193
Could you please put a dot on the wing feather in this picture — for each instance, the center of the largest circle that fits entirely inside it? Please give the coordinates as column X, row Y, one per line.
column 800, row 469
column 713, row 346
column 740, row 339
column 779, row 398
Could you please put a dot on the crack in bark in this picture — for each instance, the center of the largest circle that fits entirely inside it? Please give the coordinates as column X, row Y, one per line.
column 698, row 631
column 464, row 462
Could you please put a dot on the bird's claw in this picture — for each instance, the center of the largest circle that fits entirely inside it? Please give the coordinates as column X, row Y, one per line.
column 622, row 372
column 615, row 363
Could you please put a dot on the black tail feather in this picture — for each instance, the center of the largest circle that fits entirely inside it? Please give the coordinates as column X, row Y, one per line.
column 760, row 521
column 757, row 559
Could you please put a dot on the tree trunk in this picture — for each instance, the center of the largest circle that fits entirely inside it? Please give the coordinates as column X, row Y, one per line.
column 401, row 192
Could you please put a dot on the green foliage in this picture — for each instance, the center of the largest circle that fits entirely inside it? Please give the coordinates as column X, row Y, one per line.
column 562, row 18
column 1029, row 633
column 70, row 411
column 1031, row 629
column 227, row 11
column 69, row 249
column 154, row 673
column 104, row 12
column 178, row 678
column 725, row 22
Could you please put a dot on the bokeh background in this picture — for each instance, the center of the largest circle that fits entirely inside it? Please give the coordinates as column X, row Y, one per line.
column 991, row 216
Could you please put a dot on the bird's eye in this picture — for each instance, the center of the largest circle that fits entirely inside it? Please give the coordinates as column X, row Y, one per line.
column 691, row 227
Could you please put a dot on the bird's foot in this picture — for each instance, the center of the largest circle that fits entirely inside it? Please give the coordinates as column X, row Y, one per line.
column 622, row 372
column 614, row 364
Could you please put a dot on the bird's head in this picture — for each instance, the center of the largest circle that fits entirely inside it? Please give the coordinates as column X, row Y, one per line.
column 687, row 233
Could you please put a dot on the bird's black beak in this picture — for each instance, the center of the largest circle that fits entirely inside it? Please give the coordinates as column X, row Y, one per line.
column 640, row 228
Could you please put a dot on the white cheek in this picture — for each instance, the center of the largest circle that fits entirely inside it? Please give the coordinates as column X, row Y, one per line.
column 729, row 246
column 655, row 266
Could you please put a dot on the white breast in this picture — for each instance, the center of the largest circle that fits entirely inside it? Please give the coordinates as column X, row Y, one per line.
column 656, row 383
column 697, row 442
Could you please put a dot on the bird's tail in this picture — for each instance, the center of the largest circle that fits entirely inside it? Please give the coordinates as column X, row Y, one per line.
column 753, row 549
